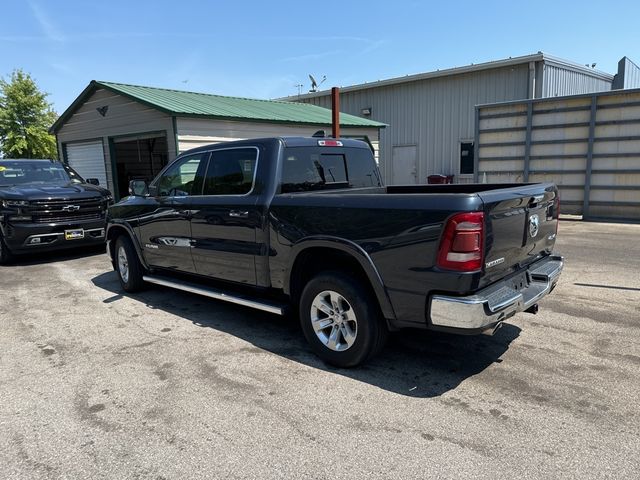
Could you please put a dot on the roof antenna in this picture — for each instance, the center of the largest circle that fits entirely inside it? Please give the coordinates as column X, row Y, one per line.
column 319, row 134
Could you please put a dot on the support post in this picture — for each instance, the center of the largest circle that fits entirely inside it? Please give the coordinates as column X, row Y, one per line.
column 335, row 112
column 589, row 165
column 476, row 147
column 527, row 142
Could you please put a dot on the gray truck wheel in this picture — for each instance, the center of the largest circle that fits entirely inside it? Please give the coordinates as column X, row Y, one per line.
column 5, row 253
column 341, row 320
column 128, row 265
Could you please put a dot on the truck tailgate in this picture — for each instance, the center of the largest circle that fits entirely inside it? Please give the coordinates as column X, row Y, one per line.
column 521, row 225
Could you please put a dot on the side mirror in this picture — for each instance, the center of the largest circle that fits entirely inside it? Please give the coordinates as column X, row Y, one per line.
column 138, row 188
column 93, row 181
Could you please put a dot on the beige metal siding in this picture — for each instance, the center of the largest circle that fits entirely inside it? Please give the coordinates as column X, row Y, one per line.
column 560, row 149
column 124, row 117
column 437, row 112
column 196, row 132
column 434, row 114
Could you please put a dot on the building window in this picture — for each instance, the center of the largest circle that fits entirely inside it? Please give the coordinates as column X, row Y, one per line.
column 466, row 158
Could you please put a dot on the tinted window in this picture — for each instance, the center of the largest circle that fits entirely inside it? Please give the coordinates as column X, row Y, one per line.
column 466, row 157
column 231, row 172
column 22, row 172
column 181, row 179
column 307, row 168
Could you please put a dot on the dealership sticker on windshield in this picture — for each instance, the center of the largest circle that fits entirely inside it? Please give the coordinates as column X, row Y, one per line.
column 74, row 234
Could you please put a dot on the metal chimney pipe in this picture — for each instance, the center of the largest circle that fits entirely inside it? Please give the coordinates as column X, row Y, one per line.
column 335, row 111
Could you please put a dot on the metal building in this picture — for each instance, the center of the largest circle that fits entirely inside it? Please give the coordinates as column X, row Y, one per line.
column 430, row 116
column 117, row 132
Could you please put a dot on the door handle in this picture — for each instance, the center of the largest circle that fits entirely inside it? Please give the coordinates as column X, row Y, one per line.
column 239, row 214
column 184, row 214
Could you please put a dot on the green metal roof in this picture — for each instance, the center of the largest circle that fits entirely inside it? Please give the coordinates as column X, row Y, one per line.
column 181, row 103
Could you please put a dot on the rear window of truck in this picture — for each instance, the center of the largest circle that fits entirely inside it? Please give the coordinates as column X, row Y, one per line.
column 305, row 169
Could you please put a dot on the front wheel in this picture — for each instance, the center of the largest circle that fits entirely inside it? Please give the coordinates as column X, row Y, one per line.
column 341, row 320
column 128, row 265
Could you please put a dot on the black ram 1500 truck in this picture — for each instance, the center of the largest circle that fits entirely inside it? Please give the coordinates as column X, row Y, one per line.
column 46, row 205
column 307, row 223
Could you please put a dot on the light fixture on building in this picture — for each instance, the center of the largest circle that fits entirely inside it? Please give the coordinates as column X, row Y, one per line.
column 366, row 111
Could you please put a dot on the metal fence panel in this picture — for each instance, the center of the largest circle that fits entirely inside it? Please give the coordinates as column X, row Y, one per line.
column 589, row 145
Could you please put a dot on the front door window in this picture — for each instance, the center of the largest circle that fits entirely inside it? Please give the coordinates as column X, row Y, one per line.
column 183, row 178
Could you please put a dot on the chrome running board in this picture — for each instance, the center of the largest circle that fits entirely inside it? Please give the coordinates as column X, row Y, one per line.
column 216, row 294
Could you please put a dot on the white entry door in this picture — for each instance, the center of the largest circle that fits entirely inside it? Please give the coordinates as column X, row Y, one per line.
column 404, row 165
column 87, row 158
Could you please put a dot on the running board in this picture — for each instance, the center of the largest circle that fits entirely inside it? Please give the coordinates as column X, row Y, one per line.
column 216, row 294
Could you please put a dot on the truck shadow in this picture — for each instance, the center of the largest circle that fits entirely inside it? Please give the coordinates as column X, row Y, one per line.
column 415, row 363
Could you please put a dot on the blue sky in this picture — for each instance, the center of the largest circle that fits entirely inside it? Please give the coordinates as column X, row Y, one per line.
column 263, row 49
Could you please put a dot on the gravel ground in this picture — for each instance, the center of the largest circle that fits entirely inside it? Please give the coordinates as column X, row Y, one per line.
column 168, row 385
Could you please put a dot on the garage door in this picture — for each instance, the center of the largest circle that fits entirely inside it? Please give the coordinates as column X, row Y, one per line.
column 87, row 159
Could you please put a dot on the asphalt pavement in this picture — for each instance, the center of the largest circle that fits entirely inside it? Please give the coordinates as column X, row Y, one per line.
column 95, row 383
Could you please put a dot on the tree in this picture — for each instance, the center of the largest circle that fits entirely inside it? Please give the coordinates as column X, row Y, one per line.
column 25, row 117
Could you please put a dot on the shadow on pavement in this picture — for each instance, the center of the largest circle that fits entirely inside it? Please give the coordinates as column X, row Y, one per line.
column 40, row 258
column 415, row 363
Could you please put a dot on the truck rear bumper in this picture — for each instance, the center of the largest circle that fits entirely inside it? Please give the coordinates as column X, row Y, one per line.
column 489, row 307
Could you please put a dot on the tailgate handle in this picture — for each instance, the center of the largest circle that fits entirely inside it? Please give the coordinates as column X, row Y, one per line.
column 535, row 200
column 239, row 214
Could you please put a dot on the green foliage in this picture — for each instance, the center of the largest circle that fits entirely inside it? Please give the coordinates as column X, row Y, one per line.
column 25, row 117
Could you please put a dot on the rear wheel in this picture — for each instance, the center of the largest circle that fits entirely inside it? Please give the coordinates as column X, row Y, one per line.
column 5, row 253
column 128, row 265
column 341, row 320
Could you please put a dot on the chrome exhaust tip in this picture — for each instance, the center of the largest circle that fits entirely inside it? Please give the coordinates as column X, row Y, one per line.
column 491, row 331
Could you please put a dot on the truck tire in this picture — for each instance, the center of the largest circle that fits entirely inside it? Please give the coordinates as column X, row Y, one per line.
column 341, row 320
column 128, row 265
column 5, row 253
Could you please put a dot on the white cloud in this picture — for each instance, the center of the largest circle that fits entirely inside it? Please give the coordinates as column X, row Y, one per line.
column 46, row 24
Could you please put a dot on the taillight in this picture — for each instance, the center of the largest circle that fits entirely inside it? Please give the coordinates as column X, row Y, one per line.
column 329, row 143
column 462, row 244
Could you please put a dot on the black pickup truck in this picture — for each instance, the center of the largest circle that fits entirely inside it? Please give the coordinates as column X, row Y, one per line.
column 46, row 205
column 306, row 223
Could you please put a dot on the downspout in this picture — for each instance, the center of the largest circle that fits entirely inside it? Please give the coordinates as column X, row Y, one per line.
column 532, row 80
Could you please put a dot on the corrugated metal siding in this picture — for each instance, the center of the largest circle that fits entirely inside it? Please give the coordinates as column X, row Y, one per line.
column 631, row 74
column 559, row 81
column 434, row 114
column 196, row 132
column 124, row 117
column 628, row 75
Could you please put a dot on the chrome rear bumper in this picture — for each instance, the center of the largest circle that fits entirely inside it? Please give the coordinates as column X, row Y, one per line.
column 490, row 306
